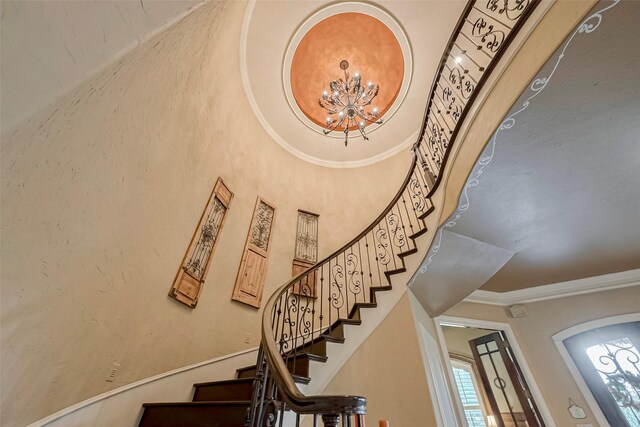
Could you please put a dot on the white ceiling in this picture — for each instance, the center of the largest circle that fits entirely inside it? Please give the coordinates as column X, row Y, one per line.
column 562, row 189
column 269, row 27
column 49, row 47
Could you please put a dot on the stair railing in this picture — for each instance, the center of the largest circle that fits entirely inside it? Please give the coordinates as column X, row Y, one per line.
column 312, row 308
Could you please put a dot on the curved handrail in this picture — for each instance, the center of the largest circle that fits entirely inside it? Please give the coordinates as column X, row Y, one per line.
column 294, row 317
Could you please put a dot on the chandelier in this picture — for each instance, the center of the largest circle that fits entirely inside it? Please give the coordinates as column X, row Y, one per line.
column 348, row 104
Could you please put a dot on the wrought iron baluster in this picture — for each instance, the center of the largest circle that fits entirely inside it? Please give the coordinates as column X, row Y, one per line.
column 277, row 333
column 378, row 263
column 313, row 309
column 288, row 338
column 406, row 210
column 322, row 298
column 282, row 411
column 464, row 52
column 297, row 299
column 329, row 305
column 361, row 271
column 346, row 285
column 366, row 245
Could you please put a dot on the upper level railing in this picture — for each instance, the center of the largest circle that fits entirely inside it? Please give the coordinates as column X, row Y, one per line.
column 308, row 310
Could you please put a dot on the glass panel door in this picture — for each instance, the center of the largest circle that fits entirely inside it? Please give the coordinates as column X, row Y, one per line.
column 511, row 401
column 609, row 361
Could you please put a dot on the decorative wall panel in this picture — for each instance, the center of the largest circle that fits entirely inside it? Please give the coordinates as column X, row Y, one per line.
column 253, row 266
column 188, row 283
column 307, row 237
column 306, row 254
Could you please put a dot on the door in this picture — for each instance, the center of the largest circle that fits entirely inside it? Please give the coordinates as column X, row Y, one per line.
column 511, row 400
column 253, row 266
column 608, row 359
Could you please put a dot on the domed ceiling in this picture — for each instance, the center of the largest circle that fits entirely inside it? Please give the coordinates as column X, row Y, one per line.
column 291, row 51
column 375, row 53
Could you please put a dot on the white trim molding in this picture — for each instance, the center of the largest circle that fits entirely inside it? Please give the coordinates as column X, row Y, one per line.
column 573, row 369
column 588, row 285
column 522, row 361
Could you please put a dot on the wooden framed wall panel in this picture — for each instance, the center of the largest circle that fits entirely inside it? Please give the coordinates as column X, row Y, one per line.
column 306, row 253
column 188, row 282
column 253, row 265
column 307, row 285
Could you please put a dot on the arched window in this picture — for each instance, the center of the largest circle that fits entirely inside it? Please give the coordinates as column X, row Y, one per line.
column 608, row 359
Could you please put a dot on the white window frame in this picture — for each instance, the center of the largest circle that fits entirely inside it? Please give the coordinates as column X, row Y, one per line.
column 468, row 367
column 573, row 369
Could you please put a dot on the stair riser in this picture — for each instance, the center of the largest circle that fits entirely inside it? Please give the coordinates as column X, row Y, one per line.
column 222, row 392
column 194, row 416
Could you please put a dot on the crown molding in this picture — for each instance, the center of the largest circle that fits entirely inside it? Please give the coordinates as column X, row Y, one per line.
column 587, row 285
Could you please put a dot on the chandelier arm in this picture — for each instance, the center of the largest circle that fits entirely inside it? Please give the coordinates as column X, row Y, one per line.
column 364, row 136
column 358, row 97
column 338, row 123
column 331, row 107
column 368, row 119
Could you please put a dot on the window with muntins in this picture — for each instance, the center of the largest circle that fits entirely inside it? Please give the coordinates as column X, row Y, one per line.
column 608, row 359
column 467, row 391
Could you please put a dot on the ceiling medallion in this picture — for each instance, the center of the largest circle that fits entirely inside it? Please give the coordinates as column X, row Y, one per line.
column 349, row 104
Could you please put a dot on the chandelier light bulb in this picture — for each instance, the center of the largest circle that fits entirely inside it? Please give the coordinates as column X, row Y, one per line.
column 329, row 120
column 325, row 95
column 370, row 85
column 458, row 59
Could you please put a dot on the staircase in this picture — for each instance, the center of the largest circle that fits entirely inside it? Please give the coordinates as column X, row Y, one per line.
column 306, row 315
column 225, row 403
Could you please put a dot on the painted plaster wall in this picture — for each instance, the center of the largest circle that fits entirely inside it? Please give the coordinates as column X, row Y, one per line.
column 48, row 47
column 100, row 197
column 388, row 370
column 534, row 333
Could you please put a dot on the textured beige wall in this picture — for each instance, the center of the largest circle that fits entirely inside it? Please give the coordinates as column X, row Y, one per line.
column 457, row 339
column 388, row 370
column 534, row 333
column 100, row 197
